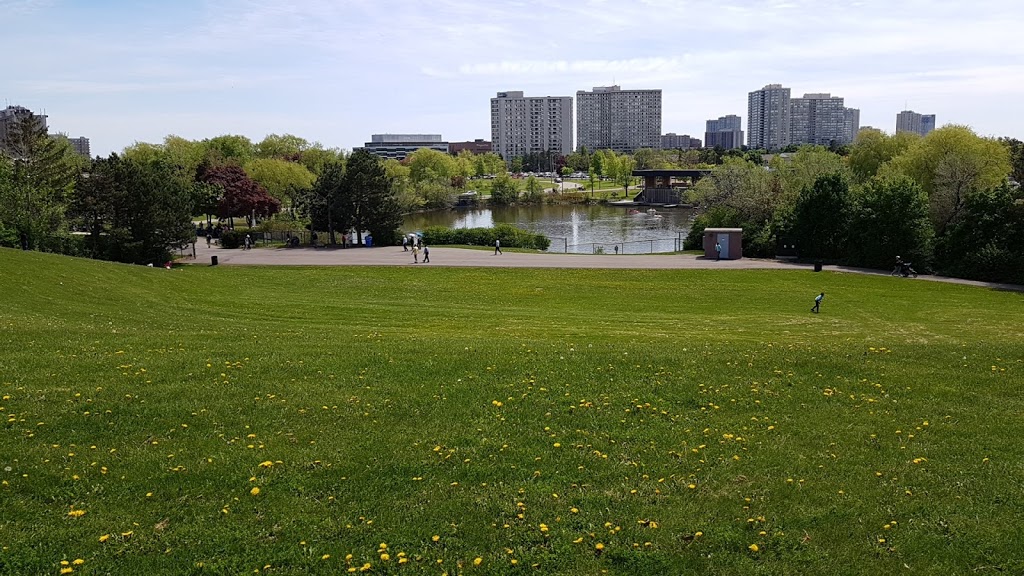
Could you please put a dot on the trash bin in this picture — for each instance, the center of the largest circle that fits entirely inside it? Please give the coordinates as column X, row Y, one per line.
column 213, row 260
column 817, row 265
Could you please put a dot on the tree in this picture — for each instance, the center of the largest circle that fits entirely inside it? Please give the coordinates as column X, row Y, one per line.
column 285, row 147
column 316, row 157
column 368, row 198
column 504, row 190
column 42, row 174
column 134, row 211
column 229, row 148
column 873, row 148
column 801, row 170
column 323, row 203
column 1016, row 150
column 534, row 191
column 399, row 174
column 489, row 163
column 889, row 218
column 596, row 163
column 950, row 164
column 283, row 180
column 517, row 164
column 821, row 218
column 647, row 159
column 241, row 196
column 626, row 164
column 986, row 240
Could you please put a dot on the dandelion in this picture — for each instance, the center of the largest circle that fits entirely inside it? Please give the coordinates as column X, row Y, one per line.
column 385, row 557
column 67, row 570
column 435, row 538
column 76, row 513
column 266, row 464
column 599, row 546
column 104, row 538
column 78, row 561
column 478, row 561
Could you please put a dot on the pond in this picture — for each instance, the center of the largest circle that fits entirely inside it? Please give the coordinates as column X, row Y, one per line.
column 575, row 228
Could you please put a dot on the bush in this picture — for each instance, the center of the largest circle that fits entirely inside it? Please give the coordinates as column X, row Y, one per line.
column 510, row 237
column 232, row 239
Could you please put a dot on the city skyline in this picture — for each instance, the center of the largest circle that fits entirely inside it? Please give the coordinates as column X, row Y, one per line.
column 335, row 72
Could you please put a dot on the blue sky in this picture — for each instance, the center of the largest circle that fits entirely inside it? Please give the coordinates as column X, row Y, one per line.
column 336, row 71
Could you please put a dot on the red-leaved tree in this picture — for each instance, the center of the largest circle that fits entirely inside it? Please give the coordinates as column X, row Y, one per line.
column 242, row 196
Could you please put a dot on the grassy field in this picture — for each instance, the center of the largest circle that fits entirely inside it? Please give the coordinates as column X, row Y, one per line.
column 505, row 421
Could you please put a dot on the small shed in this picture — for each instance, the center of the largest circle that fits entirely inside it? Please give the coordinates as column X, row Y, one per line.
column 731, row 240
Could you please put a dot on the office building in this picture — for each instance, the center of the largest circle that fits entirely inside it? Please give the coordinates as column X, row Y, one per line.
column 768, row 112
column 910, row 121
column 610, row 118
column 820, row 119
column 478, row 146
column 12, row 114
column 725, row 133
column 398, row 146
column 673, row 141
column 523, row 125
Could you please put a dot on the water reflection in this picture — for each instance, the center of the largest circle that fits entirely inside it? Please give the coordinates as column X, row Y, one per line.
column 574, row 228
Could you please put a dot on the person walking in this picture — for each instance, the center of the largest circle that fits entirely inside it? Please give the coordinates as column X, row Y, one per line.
column 817, row 302
column 718, row 251
column 248, row 242
column 415, row 255
column 497, row 246
column 405, row 243
column 209, row 238
column 426, row 254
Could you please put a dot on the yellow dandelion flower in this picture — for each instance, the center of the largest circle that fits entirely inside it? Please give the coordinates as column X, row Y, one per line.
column 578, row 540
column 78, row 561
column 105, row 537
column 67, row 570
column 76, row 513
column 255, row 491
column 385, row 557
column 403, row 560
column 478, row 561
column 435, row 538
column 325, row 557
column 753, row 548
column 266, row 464
column 599, row 546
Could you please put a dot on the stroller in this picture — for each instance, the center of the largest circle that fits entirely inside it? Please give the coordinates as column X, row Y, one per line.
column 905, row 270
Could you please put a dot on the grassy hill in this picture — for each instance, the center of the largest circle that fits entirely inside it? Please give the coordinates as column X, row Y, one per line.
column 504, row 421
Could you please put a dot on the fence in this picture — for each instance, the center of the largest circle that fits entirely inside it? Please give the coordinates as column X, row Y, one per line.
column 651, row 246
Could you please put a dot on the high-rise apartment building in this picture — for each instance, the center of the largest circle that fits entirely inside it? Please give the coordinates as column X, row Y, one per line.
column 725, row 132
column 673, row 141
column 852, row 124
column 820, row 119
column 621, row 120
column 12, row 114
column 398, row 146
column 768, row 112
column 910, row 121
column 522, row 125
column 80, row 145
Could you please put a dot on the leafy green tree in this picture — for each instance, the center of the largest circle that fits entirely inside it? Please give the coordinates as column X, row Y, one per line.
column 1016, row 150
column 986, row 240
column 873, row 148
column 803, row 168
column 517, row 164
column 229, row 148
column 821, row 218
column 950, row 164
column 316, row 157
column 368, row 198
column 889, row 218
column 401, row 180
column 597, row 163
column 504, row 190
column 135, row 211
column 648, row 159
column 282, row 179
column 284, row 146
column 626, row 165
column 534, row 191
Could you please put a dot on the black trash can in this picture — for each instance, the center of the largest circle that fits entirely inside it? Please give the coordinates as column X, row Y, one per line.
column 213, row 260
column 817, row 265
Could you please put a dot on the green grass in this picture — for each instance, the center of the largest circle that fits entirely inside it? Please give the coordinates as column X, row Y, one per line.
column 396, row 404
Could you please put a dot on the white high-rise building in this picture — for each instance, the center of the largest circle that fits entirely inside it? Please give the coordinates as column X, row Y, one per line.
column 725, row 133
column 820, row 119
column 910, row 121
column 610, row 118
column 852, row 124
column 522, row 125
column 768, row 112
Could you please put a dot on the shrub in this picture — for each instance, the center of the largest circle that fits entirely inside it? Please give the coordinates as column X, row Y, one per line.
column 232, row 239
column 509, row 235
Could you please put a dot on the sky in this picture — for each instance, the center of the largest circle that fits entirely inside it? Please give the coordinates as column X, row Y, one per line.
column 337, row 71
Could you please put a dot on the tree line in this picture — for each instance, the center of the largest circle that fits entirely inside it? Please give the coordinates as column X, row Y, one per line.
column 950, row 202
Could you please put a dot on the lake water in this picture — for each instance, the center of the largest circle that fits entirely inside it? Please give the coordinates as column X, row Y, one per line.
column 574, row 228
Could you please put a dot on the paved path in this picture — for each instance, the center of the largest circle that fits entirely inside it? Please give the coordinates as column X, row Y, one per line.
column 462, row 257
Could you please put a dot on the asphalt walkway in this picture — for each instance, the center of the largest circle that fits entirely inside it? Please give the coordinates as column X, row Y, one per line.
column 463, row 257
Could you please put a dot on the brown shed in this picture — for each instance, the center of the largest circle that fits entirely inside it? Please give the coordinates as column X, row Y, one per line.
column 730, row 239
